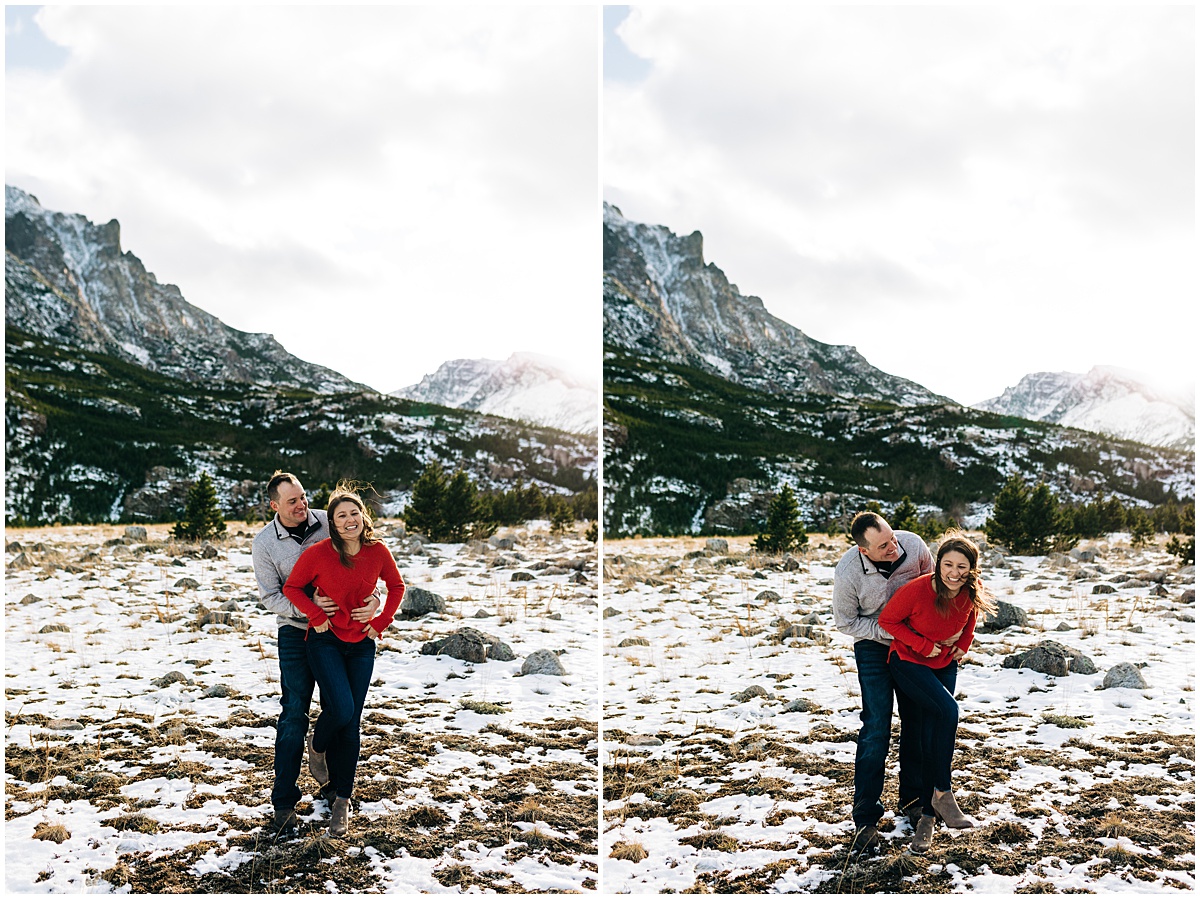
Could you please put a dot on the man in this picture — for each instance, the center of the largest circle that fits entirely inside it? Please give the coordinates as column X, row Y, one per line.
column 880, row 562
column 294, row 528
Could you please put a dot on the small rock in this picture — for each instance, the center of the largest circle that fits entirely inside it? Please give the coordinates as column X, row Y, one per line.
column 1007, row 615
column 543, row 661
column 1063, row 626
column 30, row 598
column 1124, row 674
column 523, row 576
column 63, row 724
column 14, row 547
column 208, row 551
column 717, row 544
column 20, row 563
column 633, row 641
column 219, row 691
column 136, row 532
column 642, row 740
column 578, row 578
column 767, row 596
column 1104, row 588
column 801, row 705
column 483, row 613
column 470, row 645
column 751, row 693
column 610, row 612
column 55, row 629
column 187, row 583
column 172, row 677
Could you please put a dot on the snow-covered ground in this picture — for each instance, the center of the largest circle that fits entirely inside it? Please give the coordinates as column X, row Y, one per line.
column 138, row 741
column 729, row 750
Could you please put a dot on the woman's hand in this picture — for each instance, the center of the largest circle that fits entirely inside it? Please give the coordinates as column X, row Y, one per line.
column 950, row 641
column 371, row 632
column 321, row 628
column 956, row 654
column 937, row 647
column 363, row 614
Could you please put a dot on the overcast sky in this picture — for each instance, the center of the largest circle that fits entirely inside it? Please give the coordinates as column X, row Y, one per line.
column 382, row 188
column 967, row 194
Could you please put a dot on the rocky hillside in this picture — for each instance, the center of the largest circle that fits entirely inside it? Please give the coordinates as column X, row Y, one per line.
column 68, row 280
column 1108, row 400
column 524, row 387
column 663, row 300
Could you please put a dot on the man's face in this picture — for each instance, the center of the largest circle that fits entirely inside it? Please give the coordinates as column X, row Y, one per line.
column 882, row 545
column 292, row 505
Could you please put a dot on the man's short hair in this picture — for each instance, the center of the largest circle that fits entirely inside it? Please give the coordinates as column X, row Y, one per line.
column 278, row 478
column 863, row 522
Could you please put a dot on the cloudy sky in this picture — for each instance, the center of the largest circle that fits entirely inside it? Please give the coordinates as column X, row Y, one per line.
column 382, row 188
column 967, row 194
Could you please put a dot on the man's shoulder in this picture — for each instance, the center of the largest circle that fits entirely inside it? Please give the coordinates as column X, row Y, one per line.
column 911, row 542
column 847, row 557
column 264, row 537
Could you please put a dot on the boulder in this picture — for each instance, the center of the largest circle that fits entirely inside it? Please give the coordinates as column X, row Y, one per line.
column 1052, row 658
column 1124, row 674
column 543, row 661
column 470, row 645
column 1007, row 615
column 1104, row 588
column 136, row 532
column 717, row 544
column 751, row 693
column 418, row 602
column 767, row 596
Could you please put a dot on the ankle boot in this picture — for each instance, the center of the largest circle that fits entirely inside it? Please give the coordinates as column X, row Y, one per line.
column 945, row 805
column 922, row 835
column 340, row 817
column 316, row 764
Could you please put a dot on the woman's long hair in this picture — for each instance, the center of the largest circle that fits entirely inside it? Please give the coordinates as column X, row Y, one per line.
column 345, row 494
column 981, row 599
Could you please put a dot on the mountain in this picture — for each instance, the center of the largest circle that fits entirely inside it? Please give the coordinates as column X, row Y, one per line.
column 68, row 280
column 524, row 387
column 118, row 393
column 711, row 404
column 662, row 299
column 1108, row 400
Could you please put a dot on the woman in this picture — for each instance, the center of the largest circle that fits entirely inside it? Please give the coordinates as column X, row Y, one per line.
column 926, row 610
column 341, row 651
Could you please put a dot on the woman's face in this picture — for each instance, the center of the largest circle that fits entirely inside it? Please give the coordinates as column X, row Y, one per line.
column 347, row 518
column 954, row 569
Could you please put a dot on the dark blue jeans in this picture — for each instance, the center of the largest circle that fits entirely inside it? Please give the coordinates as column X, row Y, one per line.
column 870, row 760
column 931, row 691
column 343, row 672
column 296, row 681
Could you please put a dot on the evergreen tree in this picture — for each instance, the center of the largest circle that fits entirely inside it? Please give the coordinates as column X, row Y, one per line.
column 202, row 518
column 1141, row 527
column 1007, row 524
column 1113, row 516
column 1041, row 520
column 784, row 531
column 460, row 509
column 562, row 517
column 424, row 512
column 1184, row 550
column 905, row 518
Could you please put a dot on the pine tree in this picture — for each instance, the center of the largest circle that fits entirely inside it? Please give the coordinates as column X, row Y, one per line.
column 1007, row 524
column 1042, row 521
column 561, row 517
column 905, row 518
column 784, row 531
column 1141, row 526
column 202, row 518
column 460, row 508
column 424, row 512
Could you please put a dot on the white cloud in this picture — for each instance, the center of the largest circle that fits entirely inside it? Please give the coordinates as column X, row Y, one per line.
column 423, row 178
column 932, row 168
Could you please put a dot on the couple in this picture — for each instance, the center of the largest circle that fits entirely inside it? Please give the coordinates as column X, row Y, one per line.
column 317, row 570
column 912, row 618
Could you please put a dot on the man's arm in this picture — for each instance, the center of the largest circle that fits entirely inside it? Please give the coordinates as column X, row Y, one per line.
column 846, row 617
column 270, row 585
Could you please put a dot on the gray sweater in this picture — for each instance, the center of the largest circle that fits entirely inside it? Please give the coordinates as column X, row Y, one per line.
column 860, row 592
column 275, row 553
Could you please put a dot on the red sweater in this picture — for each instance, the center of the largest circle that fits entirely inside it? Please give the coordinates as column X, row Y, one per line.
column 911, row 618
column 321, row 567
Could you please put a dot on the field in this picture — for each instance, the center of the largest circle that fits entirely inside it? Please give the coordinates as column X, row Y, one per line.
column 141, row 691
column 731, row 714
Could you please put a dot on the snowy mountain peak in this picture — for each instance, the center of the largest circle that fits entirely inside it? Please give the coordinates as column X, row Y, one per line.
column 1109, row 400
column 662, row 298
column 526, row 386
column 66, row 279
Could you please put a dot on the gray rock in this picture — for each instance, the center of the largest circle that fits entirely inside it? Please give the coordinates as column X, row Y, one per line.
column 642, row 740
column 767, row 596
column 578, row 578
column 633, row 641
column 13, row 547
column 1124, row 674
column 1052, row 658
column 219, row 691
column 523, row 576
column 1187, row 597
column 20, row 563
column 226, row 619
column 1104, row 588
column 55, row 629
column 1063, row 626
column 208, row 551
column 30, row 598
column 543, row 661
column 807, row 632
column 63, row 724
column 483, row 613
column 418, row 602
column 1007, row 615
column 187, row 583
column 717, row 544
column 750, row 693
column 610, row 612
column 502, row 542
column 136, row 532
column 802, row 705
column 172, row 677
column 470, row 645
column 1085, row 554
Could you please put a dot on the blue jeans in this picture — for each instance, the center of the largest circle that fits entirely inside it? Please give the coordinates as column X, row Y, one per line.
column 870, row 759
column 296, row 681
column 343, row 672
column 936, row 714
